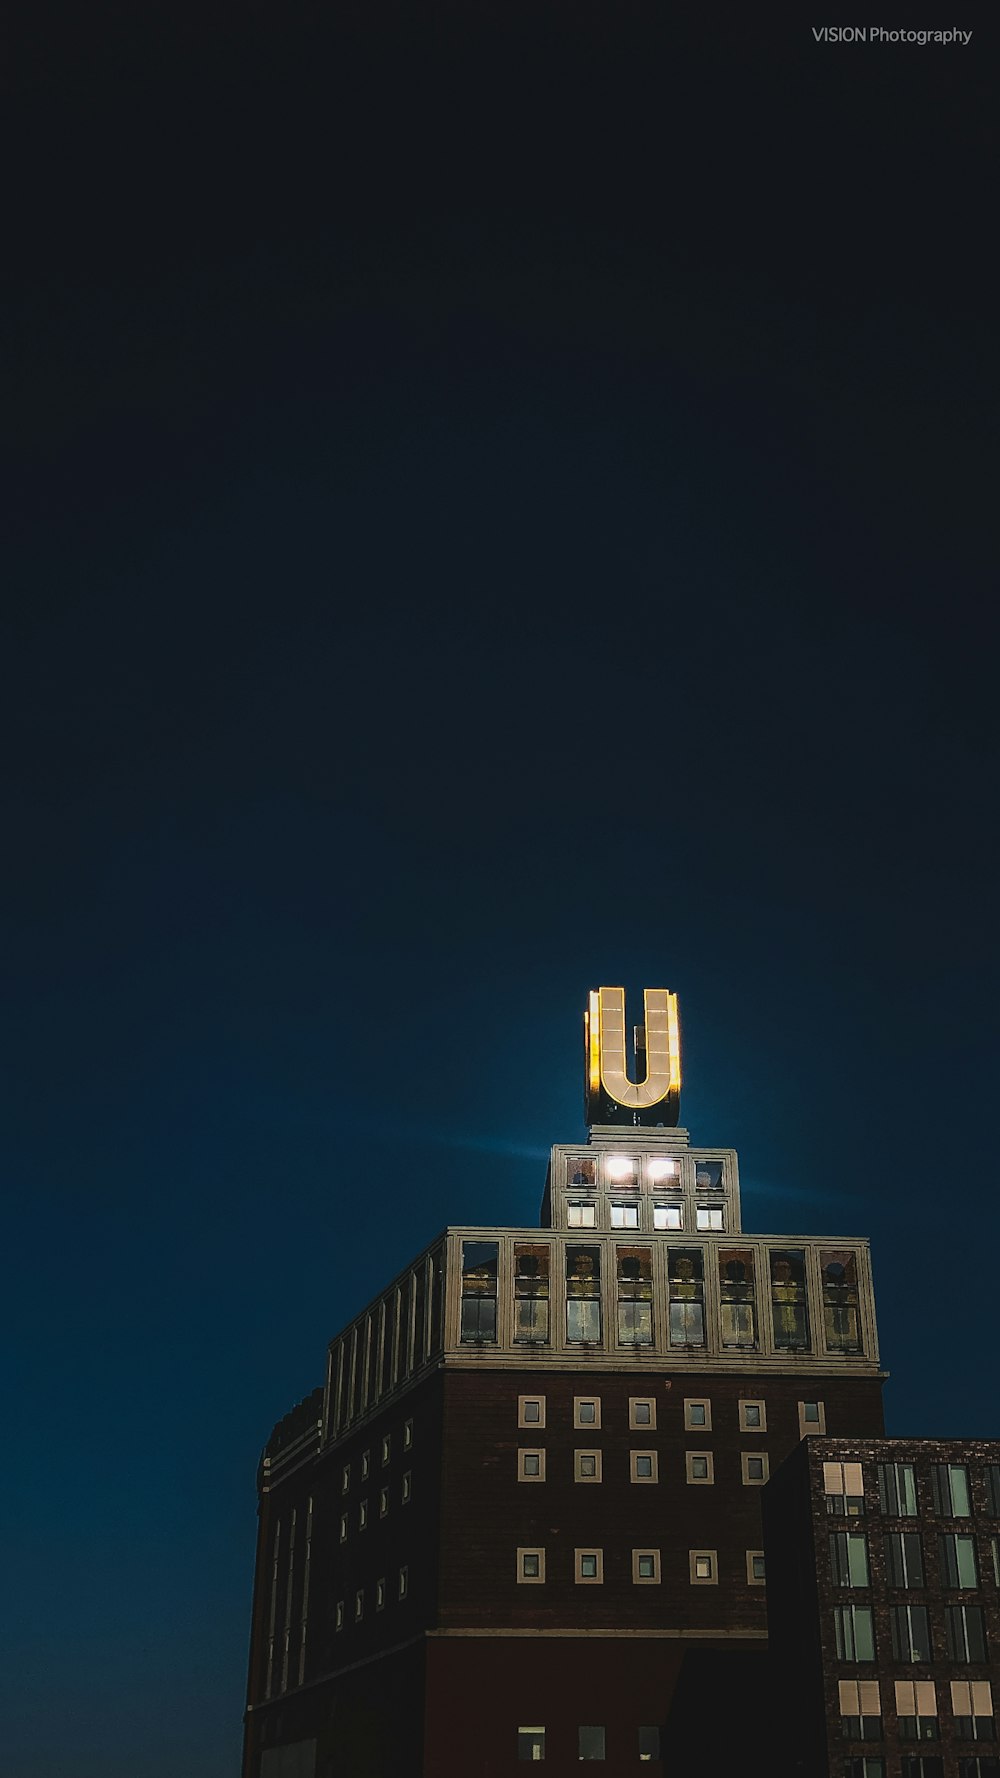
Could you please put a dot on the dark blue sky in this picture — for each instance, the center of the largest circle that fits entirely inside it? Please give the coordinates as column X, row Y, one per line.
column 500, row 503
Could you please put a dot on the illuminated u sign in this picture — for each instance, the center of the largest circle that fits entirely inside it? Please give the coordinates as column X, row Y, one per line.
column 611, row 1096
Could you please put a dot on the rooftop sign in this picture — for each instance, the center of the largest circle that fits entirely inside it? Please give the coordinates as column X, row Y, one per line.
column 654, row 1097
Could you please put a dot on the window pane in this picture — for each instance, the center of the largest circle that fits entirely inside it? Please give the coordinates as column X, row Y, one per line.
column 649, row 1744
column 897, row 1490
column 591, row 1743
column 739, row 1306
column 479, row 1291
column 841, row 1313
column 788, row 1299
column 687, row 1297
column 531, row 1744
column 531, row 1292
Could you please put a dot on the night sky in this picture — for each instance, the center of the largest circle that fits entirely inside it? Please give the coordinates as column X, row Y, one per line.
column 499, row 502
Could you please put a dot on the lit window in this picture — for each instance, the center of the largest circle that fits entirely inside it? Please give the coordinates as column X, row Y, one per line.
column 812, row 1418
column 531, row 1744
column 404, row 1582
column 754, row 1468
column 854, row 1630
column 641, row 1410
column 698, row 1413
column 338, row 1621
column 359, row 1604
column 708, row 1175
column 950, row 1490
column 530, row 1466
column 383, row 1502
column 407, row 1435
column 624, row 1216
column 664, row 1171
column 789, row 1308
column 531, row 1410
column 643, row 1465
column 362, row 1515
column 849, row 1558
column 703, row 1567
column 531, row 1566
column 386, row 1447
column 366, row 1463
column 591, row 1743
column 709, row 1216
column 379, row 1595
column 753, row 1416
column 345, row 1478
column 407, row 1488
column 699, row 1466
column 860, row 1709
column 668, row 1216
column 649, row 1744
column 586, row 1466
column 645, row 1567
column 343, row 1527
column 586, row 1410
column 916, row 1708
column 581, row 1169
column 581, row 1216
column 844, row 1488
column 589, row 1567
column 755, row 1568
column 623, row 1169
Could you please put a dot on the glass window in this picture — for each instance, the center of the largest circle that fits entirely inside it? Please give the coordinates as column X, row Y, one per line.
column 531, row 1410
column 854, row 1630
column 972, row 1708
column 849, row 1558
column 958, row 1560
column 591, row 1743
column 844, row 1488
column 753, row 1416
column 624, row 1216
column 668, row 1216
column 708, row 1175
column 581, row 1216
column 641, row 1410
column 739, row 1297
column 530, row 1466
column 687, row 1296
column 755, row 1566
column 590, row 1565
column 634, row 1279
column 966, row 1633
column 699, row 1466
column 530, row 1743
column 993, row 1490
column 586, row 1410
column 643, row 1466
column 904, row 1559
column 702, row 1566
column 581, row 1169
column 622, row 1171
column 531, row 1293
column 950, row 1489
column 911, row 1637
column 587, row 1466
column 897, row 1490
column 583, row 1295
column 645, row 1567
column 698, row 1413
column 916, row 1709
column 865, row 1766
column 531, row 1565
column 788, row 1299
column 755, row 1468
column 924, row 1765
column 841, row 1312
column 664, row 1170
column 479, row 1292
column 708, row 1216
column 649, row 1744
column 860, row 1709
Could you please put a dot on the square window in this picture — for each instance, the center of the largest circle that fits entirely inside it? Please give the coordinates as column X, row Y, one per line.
column 753, row 1416
column 404, row 1582
column 581, row 1216
column 586, row 1410
column 589, row 1567
column 668, row 1216
column 643, row 1465
column 645, row 1567
column 641, row 1410
column 591, row 1741
column 530, row 1744
column 754, row 1468
column 624, row 1216
column 698, row 1413
column 812, row 1418
column 755, row 1568
column 530, row 1466
column 407, row 1434
column 531, row 1410
column 709, row 1216
column 587, row 1466
column 700, row 1467
column 703, row 1567
column 531, row 1566
column 407, row 1488
column 664, row 1170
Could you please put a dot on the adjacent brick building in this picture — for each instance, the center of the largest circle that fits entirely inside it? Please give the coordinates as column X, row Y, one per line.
column 521, row 1520
column 883, row 1588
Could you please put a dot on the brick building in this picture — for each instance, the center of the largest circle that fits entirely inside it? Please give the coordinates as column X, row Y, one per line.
column 521, row 1519
column 883, row 1566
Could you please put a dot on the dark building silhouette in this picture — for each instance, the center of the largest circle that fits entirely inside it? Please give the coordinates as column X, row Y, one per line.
column 883, row 1590
column 521, row 1519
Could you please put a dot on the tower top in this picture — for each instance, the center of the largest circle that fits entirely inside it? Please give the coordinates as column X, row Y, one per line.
column 654, row 1097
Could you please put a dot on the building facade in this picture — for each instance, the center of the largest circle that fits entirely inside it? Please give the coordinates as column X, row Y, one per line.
column 521, row 1519
column 883, row 1565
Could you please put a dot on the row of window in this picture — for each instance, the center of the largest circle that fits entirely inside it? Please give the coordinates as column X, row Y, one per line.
column 588, row 1567
column 583, row 1213
column 922, row 1765
column 627, row 1172
column 405, row 1496
column 380, row 1593
column 633, row 1286
column 751, row 1413
column 910, row 1630
column 591, row 1743
column 365, row 1465
column 916, row 1707
column 904, row 1559
column 951, row 1492
column 644, row 1466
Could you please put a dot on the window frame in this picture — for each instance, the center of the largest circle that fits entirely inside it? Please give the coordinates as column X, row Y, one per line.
column 580, row 1401
column 522, row 1406
column 578, row 1475
column 748, row 1457
column 633, row 1465
column 703, row 1580
column 699, row 1481
column 588, row 1580
column 697, row 1401
column 812, row 1428
column 755, row 1580
column 523, row 1453
column 752, row 1401
column 530, row 1580
column 646, row 1580
column 645, row 1401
